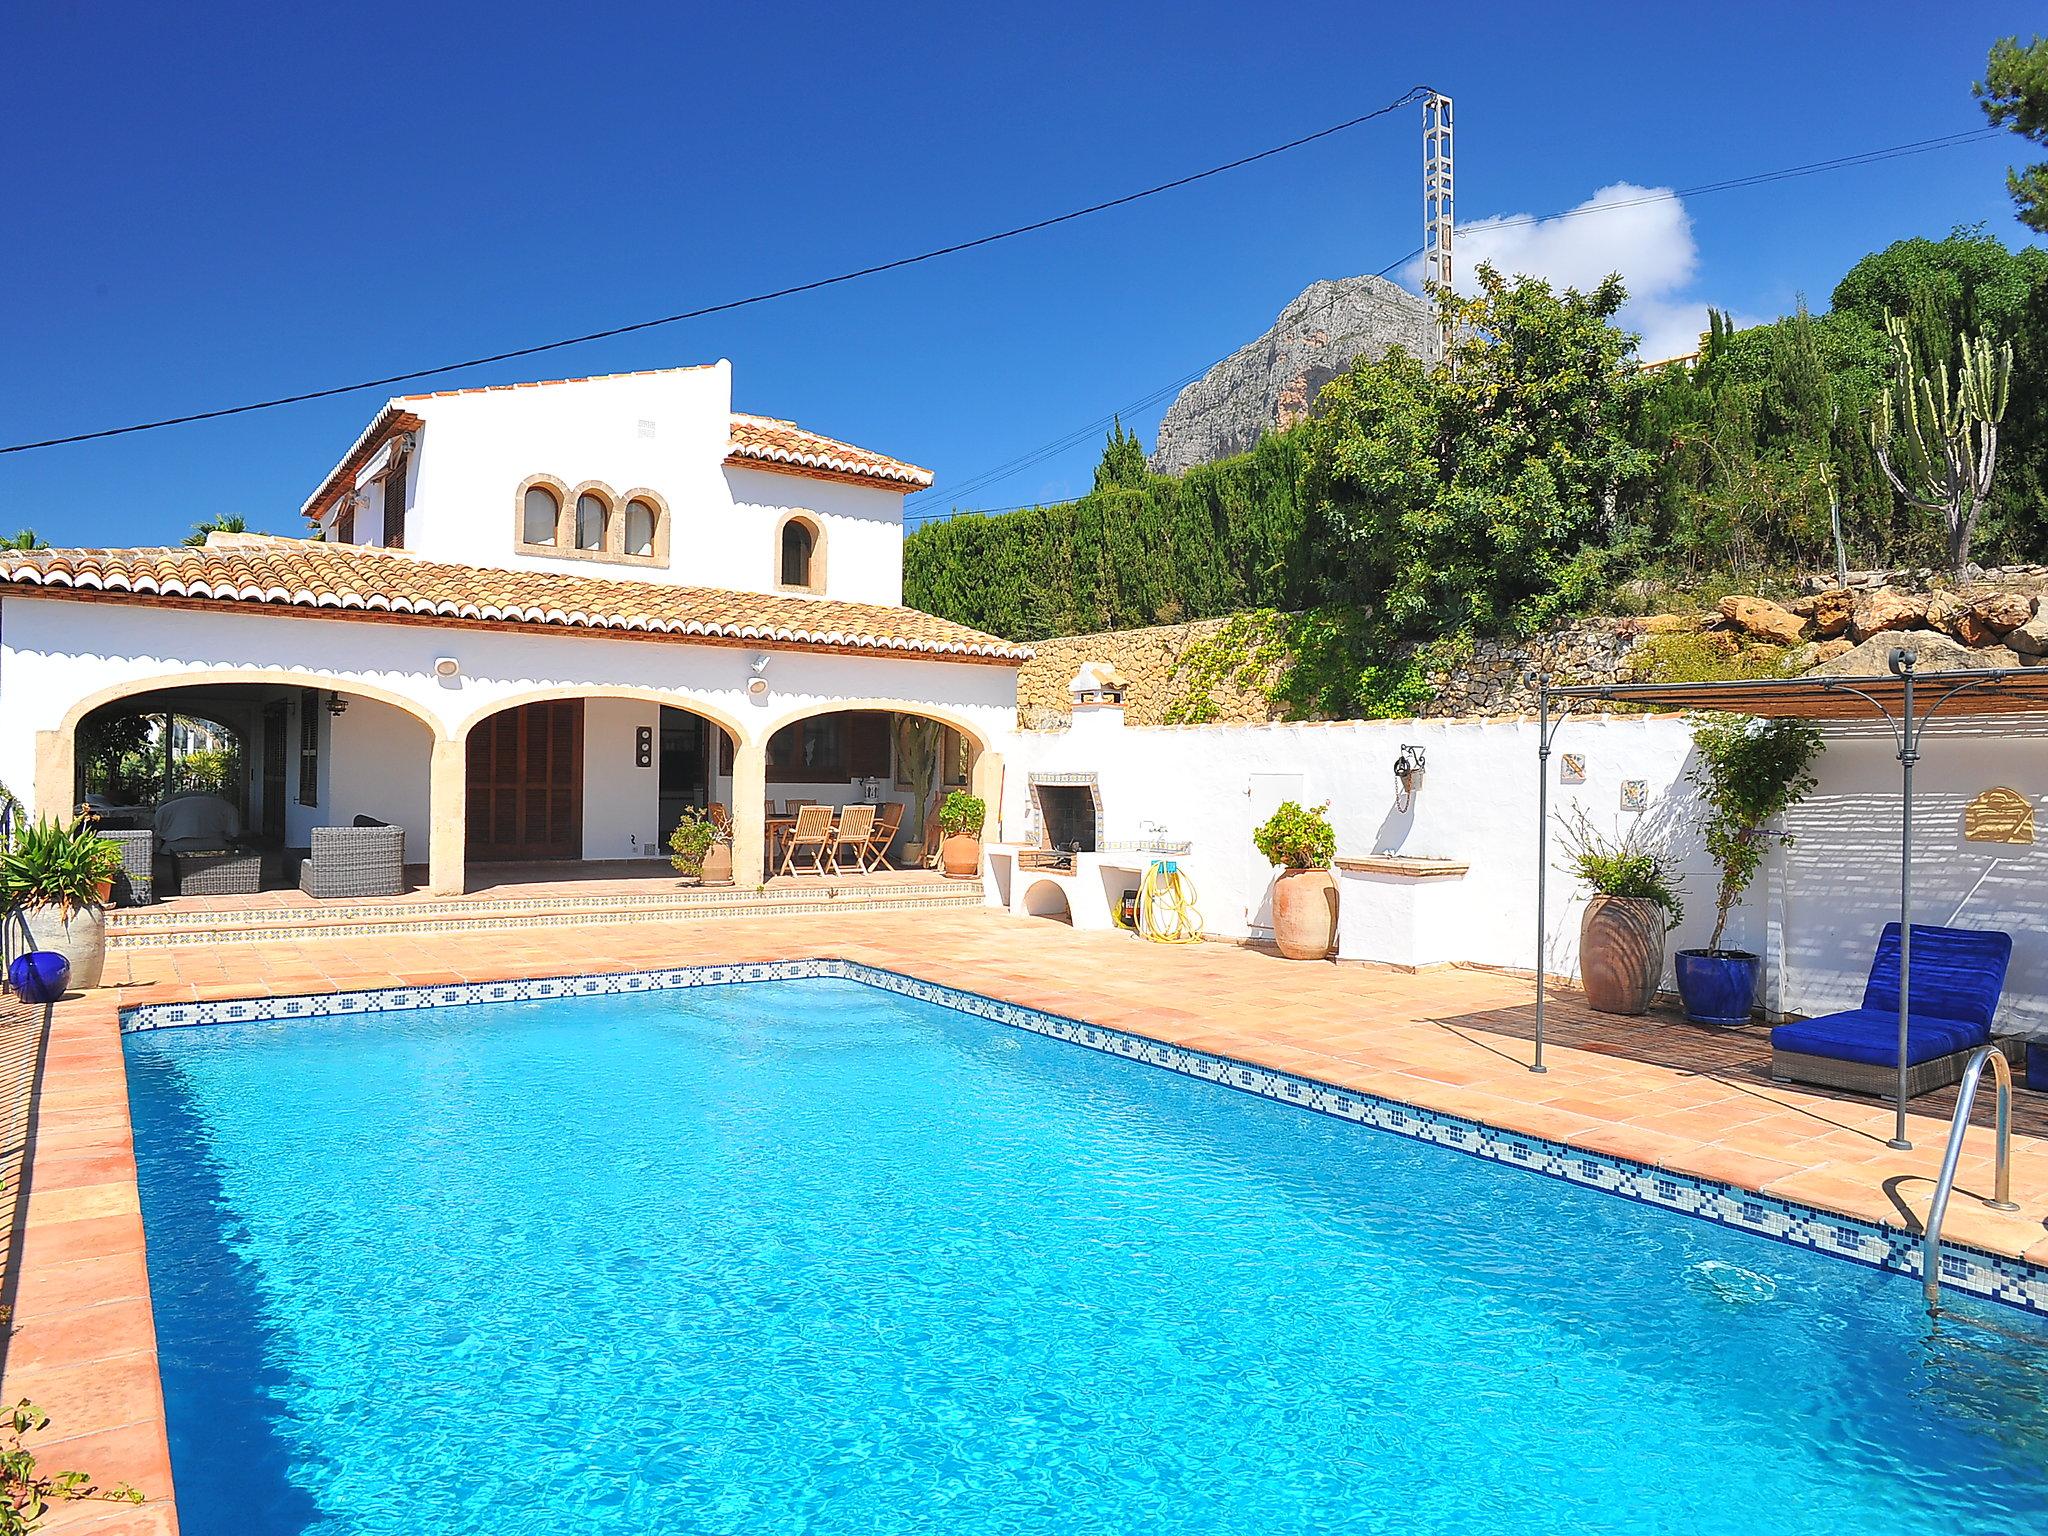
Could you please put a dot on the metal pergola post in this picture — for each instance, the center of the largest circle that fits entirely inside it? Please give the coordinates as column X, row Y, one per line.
column 1542, row 851
column 1546, row 729
column 1909, row 752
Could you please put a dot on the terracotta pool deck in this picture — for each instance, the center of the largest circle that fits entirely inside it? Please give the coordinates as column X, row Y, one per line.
column 1655, row 1090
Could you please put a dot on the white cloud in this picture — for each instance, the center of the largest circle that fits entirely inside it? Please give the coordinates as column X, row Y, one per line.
column 1644, row 233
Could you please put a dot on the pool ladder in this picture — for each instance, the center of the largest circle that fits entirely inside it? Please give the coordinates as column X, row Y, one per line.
column 2001, row 1193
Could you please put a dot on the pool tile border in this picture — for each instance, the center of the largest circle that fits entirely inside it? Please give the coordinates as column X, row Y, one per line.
column 1987, row 1276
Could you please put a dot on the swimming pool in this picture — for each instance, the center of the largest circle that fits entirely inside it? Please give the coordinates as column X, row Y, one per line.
column 811, row 1256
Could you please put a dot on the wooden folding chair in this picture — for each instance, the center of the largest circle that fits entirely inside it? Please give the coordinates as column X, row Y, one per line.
column 813, row 829
column 856, row 826
column 888, row 821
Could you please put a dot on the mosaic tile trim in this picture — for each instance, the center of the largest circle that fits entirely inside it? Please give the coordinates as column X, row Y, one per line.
column 171, row 938
column 130, row 919
column 1987, row 1276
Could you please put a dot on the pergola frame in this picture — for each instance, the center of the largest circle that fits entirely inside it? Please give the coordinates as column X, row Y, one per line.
column 1903, row 699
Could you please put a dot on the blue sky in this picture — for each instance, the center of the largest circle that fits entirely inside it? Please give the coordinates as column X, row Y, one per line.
column 223, row 203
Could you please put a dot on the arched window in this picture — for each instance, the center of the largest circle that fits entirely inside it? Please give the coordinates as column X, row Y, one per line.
column 540, row 515
column 639, row 528
column 798, row 545
column 590, row 517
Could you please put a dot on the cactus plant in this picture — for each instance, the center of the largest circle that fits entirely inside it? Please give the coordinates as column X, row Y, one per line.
column 1937, row 442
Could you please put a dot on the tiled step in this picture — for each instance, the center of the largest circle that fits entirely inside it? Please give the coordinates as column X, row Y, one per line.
column 155, row 928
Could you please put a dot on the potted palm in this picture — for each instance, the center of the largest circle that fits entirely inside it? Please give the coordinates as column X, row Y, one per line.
column 917, row 763
column 54, row 882
column 1621, row 933
column 1748, row 773
column 961, row 818
column 700, row 849
column 1302, row 842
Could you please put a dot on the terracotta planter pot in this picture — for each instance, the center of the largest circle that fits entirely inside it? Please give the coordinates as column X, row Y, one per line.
column 80, row 938
column 1305, row 913
column 1621, row 953
column 960, row 856
column 717, row 865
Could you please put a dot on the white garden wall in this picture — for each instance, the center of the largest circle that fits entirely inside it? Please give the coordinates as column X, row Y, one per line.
column 1815, row 911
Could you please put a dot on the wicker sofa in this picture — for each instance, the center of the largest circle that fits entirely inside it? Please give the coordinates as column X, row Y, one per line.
column 367, row 859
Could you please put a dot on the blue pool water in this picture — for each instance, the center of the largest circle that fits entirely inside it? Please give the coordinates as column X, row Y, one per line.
column 810, row 1257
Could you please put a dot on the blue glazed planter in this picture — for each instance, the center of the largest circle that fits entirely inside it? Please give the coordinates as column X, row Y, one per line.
column 39, row 976
column 1716, row 986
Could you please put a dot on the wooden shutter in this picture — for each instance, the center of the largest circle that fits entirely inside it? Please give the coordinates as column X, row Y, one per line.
column 867, row 744
column 394, row 502
column 525, row 775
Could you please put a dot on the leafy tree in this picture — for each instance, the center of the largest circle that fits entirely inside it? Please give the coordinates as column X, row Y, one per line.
column 26, row 539
column 1123, row 460
column 2014, row 94
column 229, row 524
column 1485, row 495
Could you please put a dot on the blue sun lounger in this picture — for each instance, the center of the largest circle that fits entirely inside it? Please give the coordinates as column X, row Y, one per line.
column 1958, row 974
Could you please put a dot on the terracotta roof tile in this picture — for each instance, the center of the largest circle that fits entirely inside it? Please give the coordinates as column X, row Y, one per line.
column 255, row 570
column 766, row 441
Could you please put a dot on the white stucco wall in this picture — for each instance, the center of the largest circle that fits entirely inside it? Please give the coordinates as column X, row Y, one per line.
column 621, row 800
column 1814, row 912
column 373, row 763
column 1477, row 803
column 664, row 432
column 1837, row 885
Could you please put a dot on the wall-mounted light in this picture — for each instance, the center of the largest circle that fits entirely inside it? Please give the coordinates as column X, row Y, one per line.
column 759, row 662
column 757, row 687
column 447, row 666
column 336, row 704
column 1408, row 767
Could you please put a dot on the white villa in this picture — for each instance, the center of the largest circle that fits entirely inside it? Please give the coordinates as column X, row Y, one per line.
column 527, row 623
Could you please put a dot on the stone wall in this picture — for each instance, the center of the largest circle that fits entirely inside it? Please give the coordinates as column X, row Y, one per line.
column 1150, row 661
column 1492, row 679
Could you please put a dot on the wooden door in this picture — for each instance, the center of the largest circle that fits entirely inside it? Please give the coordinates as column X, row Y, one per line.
column 526, row 783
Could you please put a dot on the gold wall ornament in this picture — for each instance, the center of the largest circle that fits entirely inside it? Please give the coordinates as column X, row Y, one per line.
column 1999, row 815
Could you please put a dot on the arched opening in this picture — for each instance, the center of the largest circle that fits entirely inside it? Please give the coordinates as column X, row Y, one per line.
column 592, row 515
column 902, row 762
column 587, row 785
column 540, row 516
column 640, row 525
column 1048, row 899
column 800, row 556
column 222, row 790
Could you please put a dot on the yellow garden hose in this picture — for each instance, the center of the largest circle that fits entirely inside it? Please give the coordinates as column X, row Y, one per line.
column 1167, row 913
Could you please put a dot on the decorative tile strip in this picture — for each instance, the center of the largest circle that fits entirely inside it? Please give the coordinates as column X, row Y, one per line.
column 1988, row 1276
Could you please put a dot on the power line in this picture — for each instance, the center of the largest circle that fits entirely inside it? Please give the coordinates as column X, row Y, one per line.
column 1760, row 178
column 1414, row 95
column 1011, row 467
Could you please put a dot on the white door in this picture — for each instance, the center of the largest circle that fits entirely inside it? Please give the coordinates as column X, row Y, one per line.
column 1266, row 791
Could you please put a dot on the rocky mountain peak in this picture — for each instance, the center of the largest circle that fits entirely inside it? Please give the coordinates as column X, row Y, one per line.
column 1270, row 383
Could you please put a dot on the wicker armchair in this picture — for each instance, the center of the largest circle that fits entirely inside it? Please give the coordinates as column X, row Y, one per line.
column 367, row 859
column 135, row 886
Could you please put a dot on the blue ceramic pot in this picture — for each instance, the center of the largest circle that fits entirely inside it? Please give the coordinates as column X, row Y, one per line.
column 40, row 976
column 1717, row 986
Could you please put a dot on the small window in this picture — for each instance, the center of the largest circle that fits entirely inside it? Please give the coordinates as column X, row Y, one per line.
column 796, row 554
column 542, row 513
column 590, row 515
column 639, row 529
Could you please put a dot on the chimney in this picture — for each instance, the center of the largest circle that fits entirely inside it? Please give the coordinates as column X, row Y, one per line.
column 1096, row 696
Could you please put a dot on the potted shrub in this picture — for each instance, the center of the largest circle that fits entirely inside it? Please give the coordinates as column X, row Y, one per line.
column 1748, row 773
column 1621, row 933
column 961, row 818
column 1302, row 842
column 54, row 883
column 700, row 849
